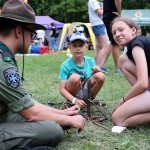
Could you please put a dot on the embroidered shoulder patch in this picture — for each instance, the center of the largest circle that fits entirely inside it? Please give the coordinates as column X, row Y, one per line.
column 12, row 77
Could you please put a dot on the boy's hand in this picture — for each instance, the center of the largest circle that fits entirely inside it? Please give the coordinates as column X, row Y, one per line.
column 96, row 69
column 80, row 103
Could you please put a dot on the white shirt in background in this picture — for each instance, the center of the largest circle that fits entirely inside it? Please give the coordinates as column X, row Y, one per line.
column 40, row 34
column 94, row 18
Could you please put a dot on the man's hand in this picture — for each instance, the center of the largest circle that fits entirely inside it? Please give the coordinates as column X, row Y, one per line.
column 78, row 122
column 71, row 111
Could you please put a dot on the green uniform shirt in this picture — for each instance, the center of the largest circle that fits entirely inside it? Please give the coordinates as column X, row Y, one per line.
column 13, row 97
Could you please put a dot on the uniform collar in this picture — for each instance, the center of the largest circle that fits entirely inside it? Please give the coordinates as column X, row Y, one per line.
column 4, row 48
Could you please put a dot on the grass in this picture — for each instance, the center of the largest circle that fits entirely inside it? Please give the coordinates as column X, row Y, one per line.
column 41, row 79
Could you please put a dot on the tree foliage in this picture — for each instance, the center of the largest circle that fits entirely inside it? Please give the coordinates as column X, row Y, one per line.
column 65, row 11
column 134, row 4
column 74, row 10
column 69, row 11
column 2, row 3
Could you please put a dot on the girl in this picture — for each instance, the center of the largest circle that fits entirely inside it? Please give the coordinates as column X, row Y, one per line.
column 134, row 108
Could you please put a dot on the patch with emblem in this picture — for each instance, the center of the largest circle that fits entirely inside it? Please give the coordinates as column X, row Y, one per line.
column 12, row 77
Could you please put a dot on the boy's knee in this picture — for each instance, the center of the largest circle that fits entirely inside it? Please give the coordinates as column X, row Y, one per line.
column 100, row 77
column 74, row 78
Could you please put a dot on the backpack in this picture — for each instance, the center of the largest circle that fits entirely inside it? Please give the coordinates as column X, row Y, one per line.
column 56, row 34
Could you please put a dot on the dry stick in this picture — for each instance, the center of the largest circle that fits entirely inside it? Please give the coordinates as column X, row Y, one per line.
column 89, row 97
column 101, row 125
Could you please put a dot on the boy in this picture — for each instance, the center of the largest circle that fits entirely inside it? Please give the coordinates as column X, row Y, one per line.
column 79, row 71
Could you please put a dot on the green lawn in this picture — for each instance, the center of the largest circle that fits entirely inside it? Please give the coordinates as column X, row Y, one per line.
column 41, row 79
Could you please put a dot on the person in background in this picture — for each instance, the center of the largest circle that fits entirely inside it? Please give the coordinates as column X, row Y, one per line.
column 24, row 122
column 79, row 29
column 134, row 107
column 46, row 43
column 40, row 41
column 98, row 28
column 40, row 36
column 79, row 72
column 53, row 38
column 111, row 9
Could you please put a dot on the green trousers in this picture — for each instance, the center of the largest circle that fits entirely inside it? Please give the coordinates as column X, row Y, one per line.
column 18, row 134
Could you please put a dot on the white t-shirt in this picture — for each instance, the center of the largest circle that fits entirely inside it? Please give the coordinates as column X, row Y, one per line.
column 94, row 18
column 41, row 34
column 125, row 50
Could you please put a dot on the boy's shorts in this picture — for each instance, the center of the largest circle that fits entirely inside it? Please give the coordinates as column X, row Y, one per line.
column 85, row 91
column 99, row 30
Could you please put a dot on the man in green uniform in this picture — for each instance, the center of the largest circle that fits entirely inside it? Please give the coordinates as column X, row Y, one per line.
column 24, row 122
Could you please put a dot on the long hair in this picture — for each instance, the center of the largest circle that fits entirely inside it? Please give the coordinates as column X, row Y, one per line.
column 129, row 22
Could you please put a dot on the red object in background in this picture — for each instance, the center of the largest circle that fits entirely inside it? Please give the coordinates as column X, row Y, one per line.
column 16, row 58
column 44, row 49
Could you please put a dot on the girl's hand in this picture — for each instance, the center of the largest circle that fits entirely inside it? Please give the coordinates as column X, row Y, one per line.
column 96, row 69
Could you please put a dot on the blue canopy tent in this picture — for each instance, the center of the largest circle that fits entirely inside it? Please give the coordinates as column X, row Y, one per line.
column 46, row 21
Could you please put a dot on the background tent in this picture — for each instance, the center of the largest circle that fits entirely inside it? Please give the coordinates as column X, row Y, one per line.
column 70, row 27
column 46, row 20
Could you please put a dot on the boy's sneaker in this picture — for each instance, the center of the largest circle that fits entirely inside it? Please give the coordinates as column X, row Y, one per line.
column 104, row 69
column 100, row 103
column 66, row 105
column 118, row 72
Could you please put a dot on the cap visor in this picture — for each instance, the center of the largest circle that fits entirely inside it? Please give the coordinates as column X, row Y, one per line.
column 78, row 39
column 31, row 24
